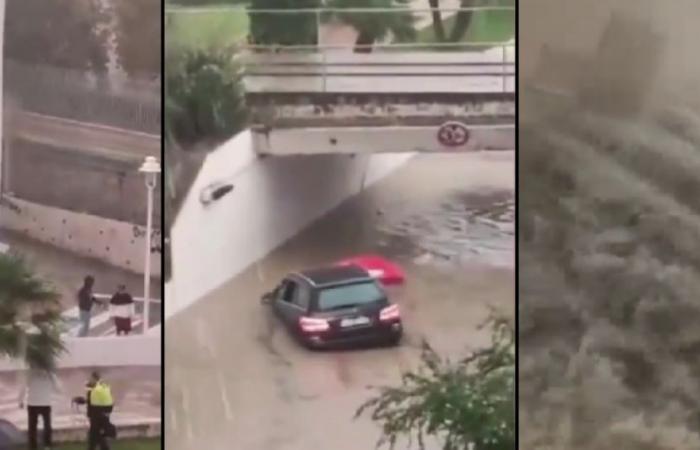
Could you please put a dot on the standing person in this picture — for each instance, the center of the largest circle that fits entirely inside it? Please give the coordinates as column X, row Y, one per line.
column 99, row 407
column 37, row 391
column 85, row 302
column 122, row 304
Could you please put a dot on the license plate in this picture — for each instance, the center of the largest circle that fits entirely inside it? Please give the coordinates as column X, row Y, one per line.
column 354, row 322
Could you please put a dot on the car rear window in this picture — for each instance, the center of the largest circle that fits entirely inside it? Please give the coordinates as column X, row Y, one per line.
column 349, row 295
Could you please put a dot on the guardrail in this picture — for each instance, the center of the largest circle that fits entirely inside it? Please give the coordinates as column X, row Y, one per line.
column 174, row 9
column 321, row 69
column 321, row 72
column 136, row 299
column 71, row 316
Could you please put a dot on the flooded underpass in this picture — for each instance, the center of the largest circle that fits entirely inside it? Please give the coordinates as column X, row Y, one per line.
column 237, row 380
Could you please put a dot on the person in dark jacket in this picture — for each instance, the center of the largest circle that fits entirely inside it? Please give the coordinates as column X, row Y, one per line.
column 85, row 302
column 122, row 305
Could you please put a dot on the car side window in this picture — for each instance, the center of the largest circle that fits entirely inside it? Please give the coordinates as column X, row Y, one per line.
column 289, row 289
column 302, row 296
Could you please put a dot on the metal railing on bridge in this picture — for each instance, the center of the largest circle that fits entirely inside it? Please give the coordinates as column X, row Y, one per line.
column 331, row 70
column 332, row 59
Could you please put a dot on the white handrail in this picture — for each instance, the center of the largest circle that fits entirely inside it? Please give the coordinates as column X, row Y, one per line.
column 379, row 45
column 136, row 299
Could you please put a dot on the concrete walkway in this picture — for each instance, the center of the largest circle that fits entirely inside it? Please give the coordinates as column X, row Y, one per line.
column 65, row 270
column 90, row 139
column 137, row 392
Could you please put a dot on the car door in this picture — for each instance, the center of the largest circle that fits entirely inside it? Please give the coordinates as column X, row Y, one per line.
column 289, row 306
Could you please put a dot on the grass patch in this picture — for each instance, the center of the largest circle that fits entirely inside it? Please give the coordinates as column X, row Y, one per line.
column 140, row 444
column 208, row 29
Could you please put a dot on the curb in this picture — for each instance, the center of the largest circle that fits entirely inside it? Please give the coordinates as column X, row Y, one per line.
column 149, row 428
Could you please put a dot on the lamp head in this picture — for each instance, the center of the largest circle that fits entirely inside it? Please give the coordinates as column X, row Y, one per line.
column 150, row 165
column 151, row 168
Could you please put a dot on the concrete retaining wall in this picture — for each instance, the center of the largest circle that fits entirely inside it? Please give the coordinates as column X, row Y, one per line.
column 112, row 351
column 50, row 174
column 273, row 199
column 118, row 243
column 372, row 140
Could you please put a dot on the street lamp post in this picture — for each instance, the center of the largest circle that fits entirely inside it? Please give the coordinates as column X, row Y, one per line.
column 151, row 169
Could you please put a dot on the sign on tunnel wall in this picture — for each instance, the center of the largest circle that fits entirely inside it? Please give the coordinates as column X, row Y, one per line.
column 453, row 134
column 448, row 137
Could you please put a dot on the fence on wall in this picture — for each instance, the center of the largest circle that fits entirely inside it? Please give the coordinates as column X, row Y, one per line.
column 117, row 101
column 130, row 108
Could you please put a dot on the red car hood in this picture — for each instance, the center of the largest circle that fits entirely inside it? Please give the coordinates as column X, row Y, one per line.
column 387, row 272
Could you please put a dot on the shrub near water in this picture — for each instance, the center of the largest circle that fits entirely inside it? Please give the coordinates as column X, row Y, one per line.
column 460, row 403
column 205, row 98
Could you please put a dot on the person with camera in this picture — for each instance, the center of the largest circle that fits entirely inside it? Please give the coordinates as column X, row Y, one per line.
column 36, row 393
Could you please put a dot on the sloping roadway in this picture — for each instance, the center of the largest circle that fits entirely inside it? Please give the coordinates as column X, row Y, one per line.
column 87, row 138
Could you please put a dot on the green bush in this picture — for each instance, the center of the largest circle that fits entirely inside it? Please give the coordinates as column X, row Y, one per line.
column 283, row 28
column 468, row 402
column 204, row 96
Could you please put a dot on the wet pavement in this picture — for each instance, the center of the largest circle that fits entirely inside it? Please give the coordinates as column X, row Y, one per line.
column 136, row 390
column 236, row 380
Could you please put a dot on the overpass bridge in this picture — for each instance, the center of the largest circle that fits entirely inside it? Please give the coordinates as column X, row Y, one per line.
column 332, row 100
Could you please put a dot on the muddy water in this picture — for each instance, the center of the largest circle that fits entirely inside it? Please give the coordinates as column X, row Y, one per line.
column 235, row 380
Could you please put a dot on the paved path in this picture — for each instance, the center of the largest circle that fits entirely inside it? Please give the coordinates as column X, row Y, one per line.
column 96, row 140
column 65, row 270
column 137, row 392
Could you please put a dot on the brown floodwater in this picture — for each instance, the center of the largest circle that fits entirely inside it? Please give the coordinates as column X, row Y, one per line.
column 235, row 380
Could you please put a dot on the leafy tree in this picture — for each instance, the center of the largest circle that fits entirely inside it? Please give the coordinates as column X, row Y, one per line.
column 463, row 19
column 30, row 321
column 61, row 33
column 139, row 36
column 463, row 403
column 372, row 27
column 283, row 28
column 204, row 96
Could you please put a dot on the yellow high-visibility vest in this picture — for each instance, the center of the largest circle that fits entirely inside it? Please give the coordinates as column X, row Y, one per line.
column 101, row 395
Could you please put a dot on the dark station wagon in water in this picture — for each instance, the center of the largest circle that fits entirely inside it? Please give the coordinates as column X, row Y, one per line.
column 336, row 306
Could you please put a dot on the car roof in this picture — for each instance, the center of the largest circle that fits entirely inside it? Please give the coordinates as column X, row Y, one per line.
column 334, row 275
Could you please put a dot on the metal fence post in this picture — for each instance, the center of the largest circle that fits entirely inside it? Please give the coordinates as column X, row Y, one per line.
column 324, row 62
column 504, row 68
column 318, row 27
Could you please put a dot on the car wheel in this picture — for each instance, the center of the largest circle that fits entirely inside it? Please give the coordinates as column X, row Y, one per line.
column 395, row 341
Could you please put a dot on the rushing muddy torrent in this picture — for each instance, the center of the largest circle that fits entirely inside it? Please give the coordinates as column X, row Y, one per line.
column 609, row 228
column 610, row 280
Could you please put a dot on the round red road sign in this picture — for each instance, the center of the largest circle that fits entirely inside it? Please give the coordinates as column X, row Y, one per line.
column 453, row 134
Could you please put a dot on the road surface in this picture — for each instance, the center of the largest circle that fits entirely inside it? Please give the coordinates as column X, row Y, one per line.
column 236, row 380
column 95, row 140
